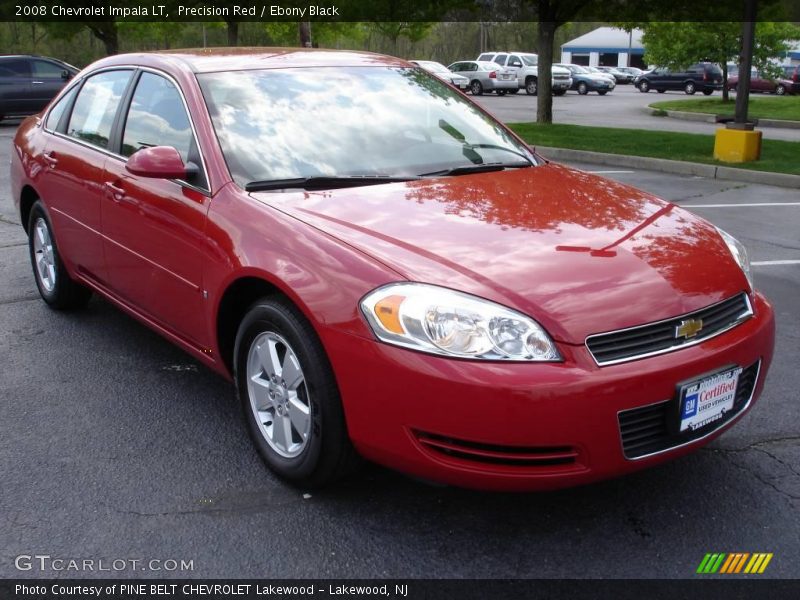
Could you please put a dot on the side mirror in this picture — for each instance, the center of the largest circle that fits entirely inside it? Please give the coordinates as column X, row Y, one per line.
column 66, row 75
column 160, row 162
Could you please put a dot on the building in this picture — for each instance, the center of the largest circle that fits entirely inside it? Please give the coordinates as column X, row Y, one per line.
column 605, row 47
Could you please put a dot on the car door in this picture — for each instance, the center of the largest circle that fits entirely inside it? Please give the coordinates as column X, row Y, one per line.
column 47, row 79
column 155, row 228
column 15, row 84
column 80, row 127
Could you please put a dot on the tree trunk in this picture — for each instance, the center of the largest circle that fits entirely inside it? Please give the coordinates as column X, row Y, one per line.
column 233, row 33
column 305, row 34
column 106, row 32
column 544, row 103
column 725, row 96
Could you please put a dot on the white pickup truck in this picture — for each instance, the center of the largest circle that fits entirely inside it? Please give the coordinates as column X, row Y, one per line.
column 525, row 65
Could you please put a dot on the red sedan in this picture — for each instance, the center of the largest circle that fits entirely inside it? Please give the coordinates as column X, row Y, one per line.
column 761, row 84
column 386, row 271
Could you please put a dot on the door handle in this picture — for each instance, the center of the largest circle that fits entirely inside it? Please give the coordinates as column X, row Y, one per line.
column 116, row 192
column 37, row 82
column 50, row 159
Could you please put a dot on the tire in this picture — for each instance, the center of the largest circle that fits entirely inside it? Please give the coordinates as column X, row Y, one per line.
column 531, row 86
column 644, row 86
column 602, row 92
column 582, row 88
column 55, row 285
column 559, row 92
column 780, row 89
column 476, row 88
column 689, row 88
column 297, row 426
column 661, row 91
column 707, row 92
column 501, row 92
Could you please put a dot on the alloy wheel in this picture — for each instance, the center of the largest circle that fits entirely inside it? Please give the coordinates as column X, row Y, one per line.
column 43, row 255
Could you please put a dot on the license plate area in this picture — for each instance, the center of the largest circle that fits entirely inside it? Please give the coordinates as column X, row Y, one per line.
column 706, row 400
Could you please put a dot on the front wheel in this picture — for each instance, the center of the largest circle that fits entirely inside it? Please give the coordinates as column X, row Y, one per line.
column 583, row 89
column 780, row 89
column 476, row 88
column 644, row 86
column 289, row 396
column 55, row 285
column 689, row 88
column 707, row 92
column 531, row 86
column 602, row 93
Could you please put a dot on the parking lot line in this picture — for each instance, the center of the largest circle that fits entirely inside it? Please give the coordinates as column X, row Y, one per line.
column 735, row 205
column 766, row 263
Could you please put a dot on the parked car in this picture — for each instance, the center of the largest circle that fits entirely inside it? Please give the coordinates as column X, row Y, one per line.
column 619, row 75
column 486, row 77
column 762, row 84
column 584, row 81
column 792, row 73
column 28, row 83
column 634, row 72
column 601, row 73
column 410, row 282
column 443, row 73
column 526, row 67
column 705, row 77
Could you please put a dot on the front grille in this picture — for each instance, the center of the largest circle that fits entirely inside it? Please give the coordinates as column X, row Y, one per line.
column 646, row 430
column 657, row 338
column 494, row 454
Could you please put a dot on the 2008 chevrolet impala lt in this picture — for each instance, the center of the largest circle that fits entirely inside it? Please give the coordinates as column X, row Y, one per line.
column 386, row 271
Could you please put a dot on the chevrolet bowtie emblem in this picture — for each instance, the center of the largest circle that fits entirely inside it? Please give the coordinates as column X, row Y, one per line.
column 688, row 328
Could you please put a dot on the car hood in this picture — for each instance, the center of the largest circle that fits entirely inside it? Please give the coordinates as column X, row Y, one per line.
column 579, row 253
column 561, row 71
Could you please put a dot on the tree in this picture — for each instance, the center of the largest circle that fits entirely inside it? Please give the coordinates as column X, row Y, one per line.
column 678, row 45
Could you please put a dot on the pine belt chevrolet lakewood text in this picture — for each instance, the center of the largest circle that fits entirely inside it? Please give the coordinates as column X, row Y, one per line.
column 385, row 271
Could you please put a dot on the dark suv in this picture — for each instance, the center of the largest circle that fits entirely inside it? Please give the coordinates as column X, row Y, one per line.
column 28, row 83
column 703, row 76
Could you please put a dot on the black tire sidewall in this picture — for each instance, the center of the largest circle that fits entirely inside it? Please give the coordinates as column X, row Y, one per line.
column 278, row 317
column 55, row 296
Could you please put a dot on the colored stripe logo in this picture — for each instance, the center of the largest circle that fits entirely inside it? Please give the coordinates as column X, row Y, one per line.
column 734, row 562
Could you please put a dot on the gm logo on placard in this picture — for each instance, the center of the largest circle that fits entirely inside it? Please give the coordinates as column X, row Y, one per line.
column 736, row 562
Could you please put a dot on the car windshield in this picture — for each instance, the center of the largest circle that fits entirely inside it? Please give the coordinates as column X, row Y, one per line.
column 577, row 69
column 299, row 123
column 433, row 67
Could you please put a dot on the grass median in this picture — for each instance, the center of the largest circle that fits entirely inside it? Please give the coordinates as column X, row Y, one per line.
column 785, row 108
column 776, row 155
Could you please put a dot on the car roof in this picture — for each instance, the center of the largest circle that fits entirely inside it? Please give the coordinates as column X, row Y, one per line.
column 208, row 60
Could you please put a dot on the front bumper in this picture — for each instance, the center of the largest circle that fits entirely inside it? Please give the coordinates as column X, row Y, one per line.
column 517, row 426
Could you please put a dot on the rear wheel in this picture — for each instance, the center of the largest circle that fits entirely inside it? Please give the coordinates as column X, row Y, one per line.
column 780, row 89
column 708, row 92
column 55, row 285
column 289, row 396
column 602, row 92
column 689, row 88
column 531, row 86
column 661, row 91
column 501, row 92
column 583, row 89
column 559, row 92
column 644, row 86
column 476, row 88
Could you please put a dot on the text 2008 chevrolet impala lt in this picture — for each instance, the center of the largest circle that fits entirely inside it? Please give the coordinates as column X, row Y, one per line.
column 386, row 271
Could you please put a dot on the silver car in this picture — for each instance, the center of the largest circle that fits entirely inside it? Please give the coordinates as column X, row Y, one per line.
column 442, row 73
column 486, row 76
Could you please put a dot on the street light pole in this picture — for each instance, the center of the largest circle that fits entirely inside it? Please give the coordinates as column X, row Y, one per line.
column 746, row 63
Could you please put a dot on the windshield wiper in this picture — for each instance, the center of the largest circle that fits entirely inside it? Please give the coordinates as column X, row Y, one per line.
column 322, row 182
column 479, row 168
column 469, row 149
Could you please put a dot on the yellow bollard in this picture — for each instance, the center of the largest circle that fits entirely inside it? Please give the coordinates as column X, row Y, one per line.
column 737, row 145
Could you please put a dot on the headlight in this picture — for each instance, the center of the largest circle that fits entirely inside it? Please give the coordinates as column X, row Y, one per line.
column 739, row 253
column 441, row 321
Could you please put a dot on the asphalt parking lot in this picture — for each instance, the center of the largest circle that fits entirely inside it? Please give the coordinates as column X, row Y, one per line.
column 115, row 445
column 624, row 107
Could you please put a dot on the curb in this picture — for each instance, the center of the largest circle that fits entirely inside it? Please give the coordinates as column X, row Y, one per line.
column 709, row 118
column 672, row 166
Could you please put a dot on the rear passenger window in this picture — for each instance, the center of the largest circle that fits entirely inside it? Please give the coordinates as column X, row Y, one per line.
column 500, row 59
column 15, row 67
column 55, row 113
column 96, row 106
column 157, row 117
column 47, row 70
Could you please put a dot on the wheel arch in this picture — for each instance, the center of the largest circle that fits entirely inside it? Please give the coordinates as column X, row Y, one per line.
column 28, row 196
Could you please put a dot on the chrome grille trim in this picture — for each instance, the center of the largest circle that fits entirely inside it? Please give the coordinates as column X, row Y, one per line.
column 740, row 317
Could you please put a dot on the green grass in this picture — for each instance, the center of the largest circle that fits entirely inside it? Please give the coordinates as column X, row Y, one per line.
column 786, row 108
column 776, row 155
